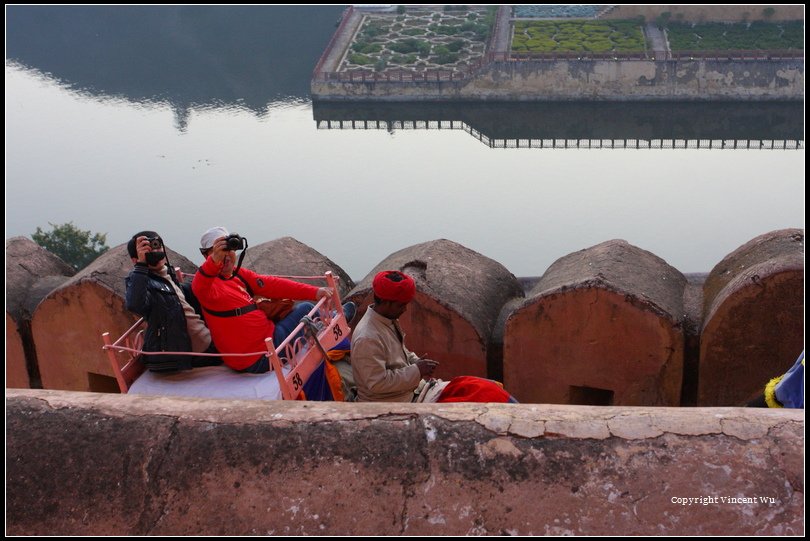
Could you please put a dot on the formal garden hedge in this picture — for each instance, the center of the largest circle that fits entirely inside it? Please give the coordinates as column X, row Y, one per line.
column 578, row 36
column 758, row 35
column 422, row 38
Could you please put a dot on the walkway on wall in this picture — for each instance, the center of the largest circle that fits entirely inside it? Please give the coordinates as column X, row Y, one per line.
column 658, row 40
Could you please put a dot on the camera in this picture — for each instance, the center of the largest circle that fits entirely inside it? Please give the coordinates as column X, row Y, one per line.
column 155, row 244
column 235, row 242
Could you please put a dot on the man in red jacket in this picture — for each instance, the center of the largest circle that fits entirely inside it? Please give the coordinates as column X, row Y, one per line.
column 236, row 325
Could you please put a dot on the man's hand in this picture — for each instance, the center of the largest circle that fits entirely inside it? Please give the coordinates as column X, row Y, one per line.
column 323, row 292
column 426, row 367
column 219, row 250
column 142, row 247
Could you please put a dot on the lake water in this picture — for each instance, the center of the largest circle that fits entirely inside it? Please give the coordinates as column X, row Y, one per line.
column 179, row 119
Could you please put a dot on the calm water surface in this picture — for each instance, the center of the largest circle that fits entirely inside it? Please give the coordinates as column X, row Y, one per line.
column 179, row 119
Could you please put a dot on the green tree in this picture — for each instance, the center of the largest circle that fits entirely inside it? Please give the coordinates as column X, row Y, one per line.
column 768, row 12
column 76, row 247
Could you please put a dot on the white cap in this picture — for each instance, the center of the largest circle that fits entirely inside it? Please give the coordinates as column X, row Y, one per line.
column 208, row 238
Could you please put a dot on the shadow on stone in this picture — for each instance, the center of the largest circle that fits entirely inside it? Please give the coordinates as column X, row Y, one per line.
column 753, row 318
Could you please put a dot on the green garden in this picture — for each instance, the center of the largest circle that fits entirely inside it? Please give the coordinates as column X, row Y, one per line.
column 578, row 36
column 758, row 35
column 421, row 39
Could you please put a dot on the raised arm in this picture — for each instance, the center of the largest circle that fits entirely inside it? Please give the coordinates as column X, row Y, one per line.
column 274, row 287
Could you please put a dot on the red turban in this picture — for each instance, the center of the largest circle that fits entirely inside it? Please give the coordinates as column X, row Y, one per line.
column 472, row 389
column 393, row 285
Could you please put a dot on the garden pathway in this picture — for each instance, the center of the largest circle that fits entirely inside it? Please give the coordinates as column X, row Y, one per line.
column 342, row 42
column 657, row 40
column 503, row 37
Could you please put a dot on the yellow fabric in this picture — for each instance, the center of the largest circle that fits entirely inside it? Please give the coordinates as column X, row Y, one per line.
column 336, row 355
column 770, row 393
column 334, row 380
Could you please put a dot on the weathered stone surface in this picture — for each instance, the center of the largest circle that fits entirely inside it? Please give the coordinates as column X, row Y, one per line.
column 753, row 325
column 602, row 326
column 459, row 296
column 289, row 257
column 26, row 263
column 692, row 325
column 68, row 324
column 31, row 273
column 95, row 464
column 16, row 372
column 595, row 80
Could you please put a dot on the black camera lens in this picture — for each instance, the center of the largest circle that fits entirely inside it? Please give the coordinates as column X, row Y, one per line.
column 155, row 243
column 235, row 242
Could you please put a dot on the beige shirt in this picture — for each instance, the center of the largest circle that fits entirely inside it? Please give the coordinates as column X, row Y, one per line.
column 383, row 369
column 197, row 331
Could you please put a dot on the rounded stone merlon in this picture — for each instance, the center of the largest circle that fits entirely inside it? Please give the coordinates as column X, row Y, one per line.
column 753, row 327
column 32, row 273
column 603, row 326
column 618, row 266
column 471, row 284
column 287, row 256
column 781, row 249
column 91, row 464
column 460, row 294
column 27, row 263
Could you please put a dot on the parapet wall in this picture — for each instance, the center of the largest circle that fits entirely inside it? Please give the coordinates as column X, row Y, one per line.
column 94, row 464
column 595, row 80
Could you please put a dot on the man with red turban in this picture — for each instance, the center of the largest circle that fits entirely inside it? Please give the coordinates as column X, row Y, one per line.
column 383, row 368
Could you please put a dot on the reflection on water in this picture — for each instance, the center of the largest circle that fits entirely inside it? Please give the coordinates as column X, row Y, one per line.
column 191, row 57
column 585, row 125
column 94, row 97
column 251, row 58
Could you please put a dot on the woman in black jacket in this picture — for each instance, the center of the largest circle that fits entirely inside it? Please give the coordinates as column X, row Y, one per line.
column 171, row 311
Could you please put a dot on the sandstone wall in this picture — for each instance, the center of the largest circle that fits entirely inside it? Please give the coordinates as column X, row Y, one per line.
column 16, row 372
column 753, row 318
column 603, row 326
column 32, row 273
column 91, row 464
column 596, row 80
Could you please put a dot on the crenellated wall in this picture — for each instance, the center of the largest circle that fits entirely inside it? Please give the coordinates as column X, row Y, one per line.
column 611, row 324
column 95, row 464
